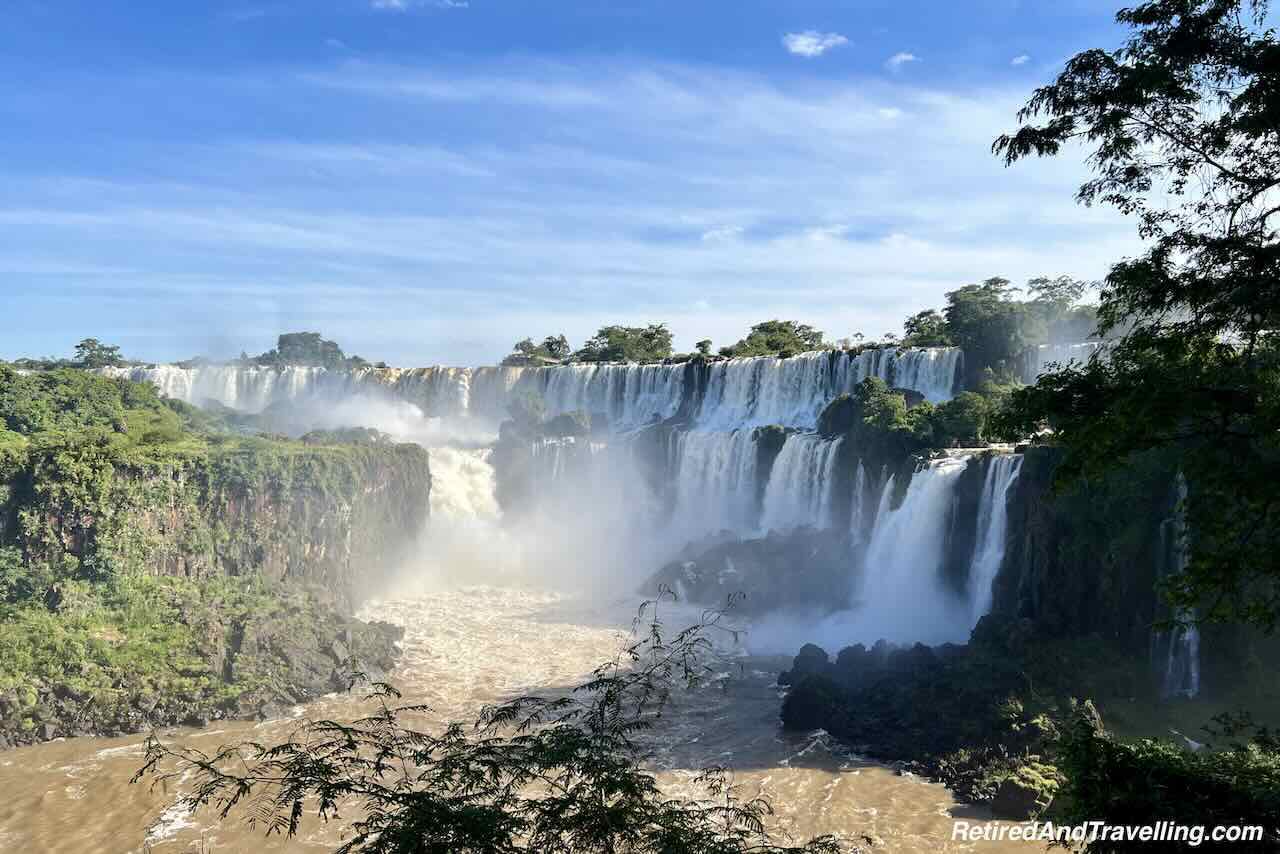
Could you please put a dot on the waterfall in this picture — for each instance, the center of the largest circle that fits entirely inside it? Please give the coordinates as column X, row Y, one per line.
column 630, row 396
column 802, row 484
column 792, row 392
column 743, row 392
column 1180, row 675
column 993, row 517
column 902, row 596
column 931, row 371
column 714, row 482
column 1036, row 360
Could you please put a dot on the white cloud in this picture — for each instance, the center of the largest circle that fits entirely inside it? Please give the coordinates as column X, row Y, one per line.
column 633, row 193
column 1020, row 59
column 812, row 43
column 336, row 44
column 900, row 59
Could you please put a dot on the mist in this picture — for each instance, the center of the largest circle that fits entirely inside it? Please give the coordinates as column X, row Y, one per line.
column 607, row 513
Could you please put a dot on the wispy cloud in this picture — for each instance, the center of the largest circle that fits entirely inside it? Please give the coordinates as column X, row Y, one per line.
column 812, row 43
column 721, row 233
column 900, row 59
column 406, row 5
column 1020, row 59
column 647, row 191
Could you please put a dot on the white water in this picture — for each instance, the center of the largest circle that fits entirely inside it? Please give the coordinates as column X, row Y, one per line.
column 1038, row 360
column 902, row 597
column 739, row 392
column 801, row 486
column 1181, row 676
column 714, row 482
column 993, row 519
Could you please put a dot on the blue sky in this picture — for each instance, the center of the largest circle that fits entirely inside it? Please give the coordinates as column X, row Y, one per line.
column 426, row 181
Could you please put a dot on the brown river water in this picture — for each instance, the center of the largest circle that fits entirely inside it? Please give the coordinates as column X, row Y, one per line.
column 464, row 648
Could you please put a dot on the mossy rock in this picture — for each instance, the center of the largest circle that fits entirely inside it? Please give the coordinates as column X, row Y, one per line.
column 1027, row 792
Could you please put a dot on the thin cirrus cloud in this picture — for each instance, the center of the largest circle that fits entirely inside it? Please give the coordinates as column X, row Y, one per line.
column 811, row 43
column 683, row 193
column 900, row 59
column 1020, row 59
column 406, row 5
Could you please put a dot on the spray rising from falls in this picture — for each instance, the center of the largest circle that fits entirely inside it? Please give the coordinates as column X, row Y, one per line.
column 629, row 498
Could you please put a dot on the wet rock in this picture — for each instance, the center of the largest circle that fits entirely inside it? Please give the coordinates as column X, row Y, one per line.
column 812, row 704
column 811, row 660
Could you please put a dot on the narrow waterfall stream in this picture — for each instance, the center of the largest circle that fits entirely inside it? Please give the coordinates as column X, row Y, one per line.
column 993, row 518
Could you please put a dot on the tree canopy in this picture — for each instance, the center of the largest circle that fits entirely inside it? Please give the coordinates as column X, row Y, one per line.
column 554, row 348
column 306, row 349
column 92, row 353
column 776, row 338
column 650, row 343
column 1183, row 127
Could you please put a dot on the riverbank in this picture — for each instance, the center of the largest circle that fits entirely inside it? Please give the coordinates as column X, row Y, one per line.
column 464, row 648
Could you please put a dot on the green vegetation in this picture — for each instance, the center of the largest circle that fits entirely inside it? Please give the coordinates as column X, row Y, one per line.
column 926, row 329
column 553, row 349
column 122, row 516
column 1182, row 124
column 306, row 349
column 1198, row 370
column 879, row 420
column 995, row 330
column 1234, row 782
column 650, row 343
column 532, row 774
column 92, row 353
column 776, row 338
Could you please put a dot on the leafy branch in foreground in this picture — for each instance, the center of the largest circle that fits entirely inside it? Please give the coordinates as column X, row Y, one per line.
column 533, row 774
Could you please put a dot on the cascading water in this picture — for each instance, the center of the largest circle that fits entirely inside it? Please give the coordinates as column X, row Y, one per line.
column 902, row 596
column 1180, row 676
column 993, row 518
column 742, row 392
column 1037, row 360
column 714, row 482
column 802, row 484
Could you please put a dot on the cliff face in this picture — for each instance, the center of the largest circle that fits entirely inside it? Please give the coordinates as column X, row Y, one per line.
column 148, row 587
column 1085, row 560
column 331, row 518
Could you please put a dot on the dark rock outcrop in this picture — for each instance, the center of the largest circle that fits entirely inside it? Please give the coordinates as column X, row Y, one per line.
column 802, row 570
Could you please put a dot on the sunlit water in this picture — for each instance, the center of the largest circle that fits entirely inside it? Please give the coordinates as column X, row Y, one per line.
column 464, row 648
